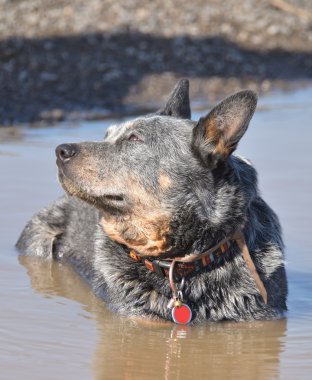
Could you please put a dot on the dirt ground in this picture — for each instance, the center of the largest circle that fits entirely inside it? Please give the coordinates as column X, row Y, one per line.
column 89, row 59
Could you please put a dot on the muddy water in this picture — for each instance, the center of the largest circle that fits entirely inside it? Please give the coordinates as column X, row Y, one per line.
column 53, row 327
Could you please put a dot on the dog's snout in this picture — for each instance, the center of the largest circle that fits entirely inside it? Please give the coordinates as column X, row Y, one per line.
column 66, row 151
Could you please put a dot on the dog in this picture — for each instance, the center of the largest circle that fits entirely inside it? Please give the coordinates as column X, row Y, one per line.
column 164, row 221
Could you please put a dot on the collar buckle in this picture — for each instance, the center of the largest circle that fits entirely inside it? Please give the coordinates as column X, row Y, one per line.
column 161, row 268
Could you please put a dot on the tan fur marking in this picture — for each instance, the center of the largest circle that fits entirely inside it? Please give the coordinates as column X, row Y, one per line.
column 146, row 229
column 164, row 181
column 211, row 129
column 215, row 136
column 145, row 235
column 222, row 149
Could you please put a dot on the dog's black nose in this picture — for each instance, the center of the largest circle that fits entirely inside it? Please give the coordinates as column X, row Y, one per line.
column 65, row 151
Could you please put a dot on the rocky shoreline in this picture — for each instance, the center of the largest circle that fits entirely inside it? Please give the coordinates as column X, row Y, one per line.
column 76, row 59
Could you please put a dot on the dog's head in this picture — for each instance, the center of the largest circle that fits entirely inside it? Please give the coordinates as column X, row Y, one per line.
column 155, row 179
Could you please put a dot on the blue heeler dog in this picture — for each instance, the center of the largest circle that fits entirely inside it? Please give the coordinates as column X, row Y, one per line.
column 164, row 221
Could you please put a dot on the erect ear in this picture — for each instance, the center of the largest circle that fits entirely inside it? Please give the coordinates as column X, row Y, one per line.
column 178, row 104
column 216, row 135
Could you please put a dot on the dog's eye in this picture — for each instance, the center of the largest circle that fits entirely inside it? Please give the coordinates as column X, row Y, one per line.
column 133, row 137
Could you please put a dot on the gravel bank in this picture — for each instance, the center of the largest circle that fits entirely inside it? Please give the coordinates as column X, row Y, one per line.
column 88, row 59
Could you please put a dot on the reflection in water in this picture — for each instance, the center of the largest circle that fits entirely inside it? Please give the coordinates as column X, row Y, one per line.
column 131, row 349
column 249, row 350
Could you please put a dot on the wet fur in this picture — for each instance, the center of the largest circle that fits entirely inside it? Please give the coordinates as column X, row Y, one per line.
column 186, row 192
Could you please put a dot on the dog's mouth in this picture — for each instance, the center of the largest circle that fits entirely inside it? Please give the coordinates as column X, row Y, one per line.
column 113, row 203
column 112, row 198
column 107, row 201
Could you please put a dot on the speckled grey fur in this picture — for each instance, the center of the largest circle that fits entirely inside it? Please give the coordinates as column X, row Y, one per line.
column 209, row 195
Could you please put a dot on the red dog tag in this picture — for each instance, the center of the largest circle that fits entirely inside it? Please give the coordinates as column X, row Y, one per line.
column 181, row 314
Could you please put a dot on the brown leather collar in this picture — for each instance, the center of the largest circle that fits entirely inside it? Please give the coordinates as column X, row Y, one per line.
column 195, row 262
column 185, row 266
